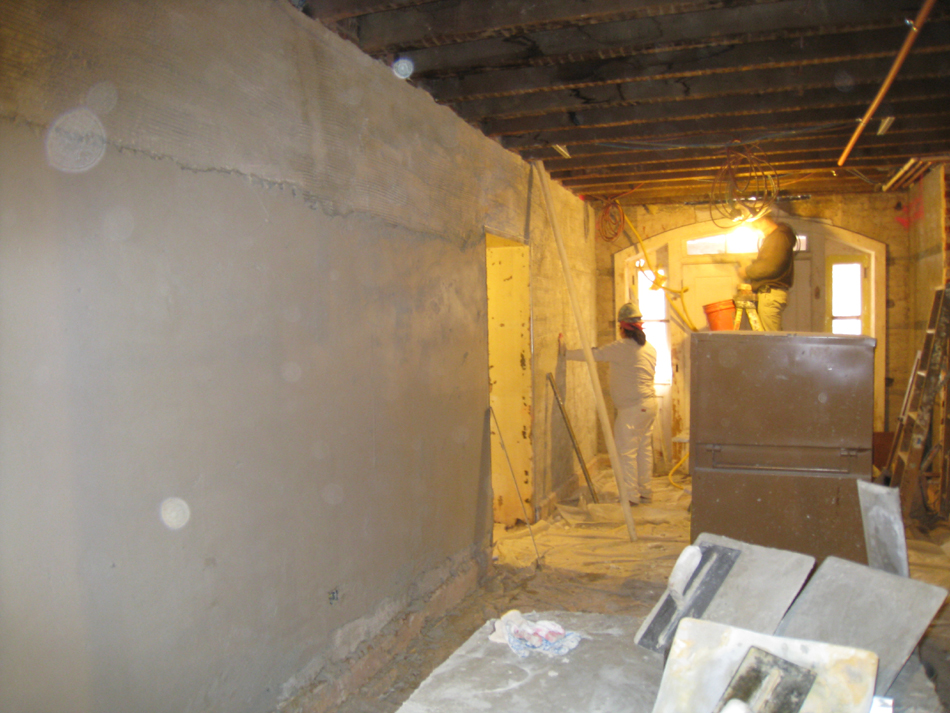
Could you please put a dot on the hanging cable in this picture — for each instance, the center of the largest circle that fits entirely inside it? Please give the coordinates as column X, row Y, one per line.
column 744, row 189
column 610, row 218
column 610, row 221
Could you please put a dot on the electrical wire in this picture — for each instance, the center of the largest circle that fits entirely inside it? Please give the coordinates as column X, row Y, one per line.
column 744, row 189
column 610, row 218
column 658, row 284
column 678, row 464
column 610, row 224
column 856, row 173
column 610, row 221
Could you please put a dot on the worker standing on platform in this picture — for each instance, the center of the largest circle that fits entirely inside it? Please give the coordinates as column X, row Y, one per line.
column 632, row 369
column 772, row 272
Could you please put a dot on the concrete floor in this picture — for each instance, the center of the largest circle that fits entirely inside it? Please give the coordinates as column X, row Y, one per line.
column 607, row 671
column 588, row 565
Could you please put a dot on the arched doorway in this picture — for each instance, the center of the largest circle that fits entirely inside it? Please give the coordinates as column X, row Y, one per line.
column 712, row 277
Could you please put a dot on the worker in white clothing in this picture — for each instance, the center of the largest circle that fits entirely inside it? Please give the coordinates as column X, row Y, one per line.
column 632, row 368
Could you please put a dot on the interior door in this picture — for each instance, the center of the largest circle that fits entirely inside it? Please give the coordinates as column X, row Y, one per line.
column 509, row 364
column 797, row 316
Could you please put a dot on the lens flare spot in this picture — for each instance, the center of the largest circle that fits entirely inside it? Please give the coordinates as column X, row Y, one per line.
column 175, row 513
column 403, row 68
column 333, row 494
column 76, row 141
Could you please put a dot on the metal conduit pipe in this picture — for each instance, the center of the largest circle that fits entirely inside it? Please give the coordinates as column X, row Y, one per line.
column 895, row 68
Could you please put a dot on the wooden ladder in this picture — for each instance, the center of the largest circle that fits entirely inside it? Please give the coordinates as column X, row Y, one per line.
column 745, row 305
column 905, row 461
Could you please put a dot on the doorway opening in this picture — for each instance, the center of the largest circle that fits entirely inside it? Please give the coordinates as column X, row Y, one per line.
column 510, row 378
column 704, row 261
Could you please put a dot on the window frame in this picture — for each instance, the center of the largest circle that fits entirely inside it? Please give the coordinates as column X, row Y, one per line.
column 865, row 262
column 664, row 357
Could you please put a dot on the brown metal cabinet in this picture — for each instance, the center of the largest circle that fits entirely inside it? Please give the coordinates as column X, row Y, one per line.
column 781, row 426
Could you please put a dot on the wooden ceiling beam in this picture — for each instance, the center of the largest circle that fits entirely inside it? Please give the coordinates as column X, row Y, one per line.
column 537, row 90
column 594, row 154
column 784, row 18
column 725, row 129
column 824, row 154
column 451, row 21
column 335, row 10
column 777, row 89
column 646, row 94
column 699, row 193
column 938, row 129
column 884, row 165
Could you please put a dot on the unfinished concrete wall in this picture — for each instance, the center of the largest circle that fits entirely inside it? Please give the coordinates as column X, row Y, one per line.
column 881, row 217
column 243, row 374
column 556, row 464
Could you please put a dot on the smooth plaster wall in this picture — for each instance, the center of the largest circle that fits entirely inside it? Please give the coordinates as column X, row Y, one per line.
column 267, row 298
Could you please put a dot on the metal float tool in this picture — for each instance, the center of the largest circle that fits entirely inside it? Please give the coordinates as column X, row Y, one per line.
column 588, row 355
column 570, row 430
column 768, row 684
column 689, row 593
column 883, row 528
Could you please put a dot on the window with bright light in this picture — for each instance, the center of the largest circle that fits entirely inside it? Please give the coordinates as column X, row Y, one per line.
column 848, row 291
column 656, row 323
column 739, row 241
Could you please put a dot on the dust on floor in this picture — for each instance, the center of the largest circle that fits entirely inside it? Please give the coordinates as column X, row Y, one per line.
column 582, row 559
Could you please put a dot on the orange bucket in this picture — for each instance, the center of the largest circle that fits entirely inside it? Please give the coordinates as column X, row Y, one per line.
column 720, row 315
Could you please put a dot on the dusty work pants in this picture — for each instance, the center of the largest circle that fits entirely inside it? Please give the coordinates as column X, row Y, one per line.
column 633, row 431
column 770, row 306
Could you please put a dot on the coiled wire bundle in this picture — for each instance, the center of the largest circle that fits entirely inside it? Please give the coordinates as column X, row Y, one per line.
column 744, row 189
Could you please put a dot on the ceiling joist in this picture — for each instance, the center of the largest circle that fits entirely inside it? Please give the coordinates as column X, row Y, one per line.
column 646, row 95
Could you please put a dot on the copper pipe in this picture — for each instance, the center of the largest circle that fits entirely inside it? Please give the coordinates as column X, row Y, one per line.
column 901, row 56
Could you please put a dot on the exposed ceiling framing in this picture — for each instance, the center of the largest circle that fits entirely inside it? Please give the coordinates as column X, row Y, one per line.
column 645, row 97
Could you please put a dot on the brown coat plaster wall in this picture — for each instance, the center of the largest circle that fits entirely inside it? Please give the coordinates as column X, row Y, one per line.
column 243, row 382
